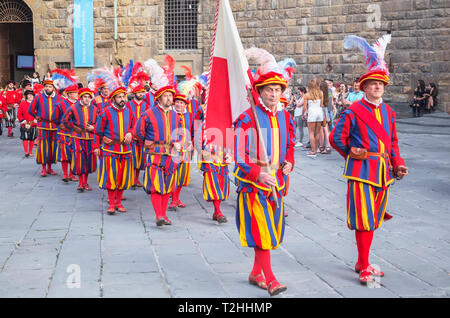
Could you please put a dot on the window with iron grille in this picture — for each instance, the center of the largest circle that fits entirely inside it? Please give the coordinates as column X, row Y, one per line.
column 63, row 65
column 180, row 26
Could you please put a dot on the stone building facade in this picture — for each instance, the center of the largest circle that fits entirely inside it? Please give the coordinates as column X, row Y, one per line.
column 310, row 31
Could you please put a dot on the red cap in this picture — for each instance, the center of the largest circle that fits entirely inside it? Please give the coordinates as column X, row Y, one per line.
column 138, row 89
column 164, row 89
column 270, row 78
column 47, row 81
column 377, row 75
column 118, row 91
column 71, row 89
column 181, row 97
column 84, row 91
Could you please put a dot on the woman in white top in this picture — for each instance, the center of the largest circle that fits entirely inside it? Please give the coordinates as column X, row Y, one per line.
column 298, row 116
column 312, row 111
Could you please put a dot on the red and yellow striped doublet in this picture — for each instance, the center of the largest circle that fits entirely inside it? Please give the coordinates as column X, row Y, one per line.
column 83, row 159
column 187, row 138
column 368, row 179
column 137, row 148
column 116, row 170
column 259, row 222
column 64, row 136
column 43, row 107
column 158, row 128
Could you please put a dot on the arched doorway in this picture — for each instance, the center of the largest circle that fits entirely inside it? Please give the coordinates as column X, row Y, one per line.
column 16, row 40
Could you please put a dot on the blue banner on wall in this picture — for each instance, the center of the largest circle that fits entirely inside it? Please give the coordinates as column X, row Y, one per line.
column 83, row 33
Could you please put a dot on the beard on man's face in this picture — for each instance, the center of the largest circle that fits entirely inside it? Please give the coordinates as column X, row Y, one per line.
column 120, row 104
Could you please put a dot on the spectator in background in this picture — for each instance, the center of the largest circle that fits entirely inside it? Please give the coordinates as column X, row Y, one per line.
column 313, row 111
column 300, row 123
column 354, row 95
column 341, row 95
column 419, row 98
column 331, row 102
column 34, row 79
column 290, row 107
column 324, row 131
column 431, row 97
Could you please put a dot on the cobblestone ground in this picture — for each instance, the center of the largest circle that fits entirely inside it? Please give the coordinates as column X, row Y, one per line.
column 52, row 237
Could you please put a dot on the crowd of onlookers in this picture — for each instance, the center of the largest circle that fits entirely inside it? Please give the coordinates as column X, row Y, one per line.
column 316, row 108
column 424, row 99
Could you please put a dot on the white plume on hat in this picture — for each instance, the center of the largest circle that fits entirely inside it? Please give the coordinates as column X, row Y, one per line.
column 266, row 61
column 156, row 72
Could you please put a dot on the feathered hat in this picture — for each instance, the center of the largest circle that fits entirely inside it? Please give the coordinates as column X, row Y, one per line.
column 191, row 86
column 71, row 89
column 63, row 78
column 137, row 78
column 133, row 77
column 169, row 67
column 84, row 91
column 181, row 97
column 110, row 78
column 159, row 78
column 269, row 71
column 37, row 88
column 373, row 55
column 288, row 66
column 47, row 81
column 203, row 79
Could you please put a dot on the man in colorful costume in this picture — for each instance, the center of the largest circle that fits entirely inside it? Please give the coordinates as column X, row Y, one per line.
column 158, row 129
column 184, row 164
column 81, row 118
column 138, row 106
column 114, row 126
column 259, row 218
column 214, row 162
column 365, row 135
column 101, row 100
column 64, row 136
column 42, row 108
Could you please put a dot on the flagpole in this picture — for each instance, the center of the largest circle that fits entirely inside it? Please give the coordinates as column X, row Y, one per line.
column 262, row 144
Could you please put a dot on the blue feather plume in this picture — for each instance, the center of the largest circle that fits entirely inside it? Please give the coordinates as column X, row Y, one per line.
column 373, row 55
column 127, row 72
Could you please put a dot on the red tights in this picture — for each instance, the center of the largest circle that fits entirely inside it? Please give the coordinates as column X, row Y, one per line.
column 363, row 243
column 66, row 170
column 160, row 203
column 176, row 194
column 115, row 198
column 83, row 179
column 48, row 169
column 28, row 146
column 262, row 263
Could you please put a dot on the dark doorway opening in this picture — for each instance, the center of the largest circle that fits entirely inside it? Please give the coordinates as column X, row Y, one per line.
column 16, row 41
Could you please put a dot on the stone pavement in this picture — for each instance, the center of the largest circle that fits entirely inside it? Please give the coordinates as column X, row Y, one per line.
column 55, row 242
